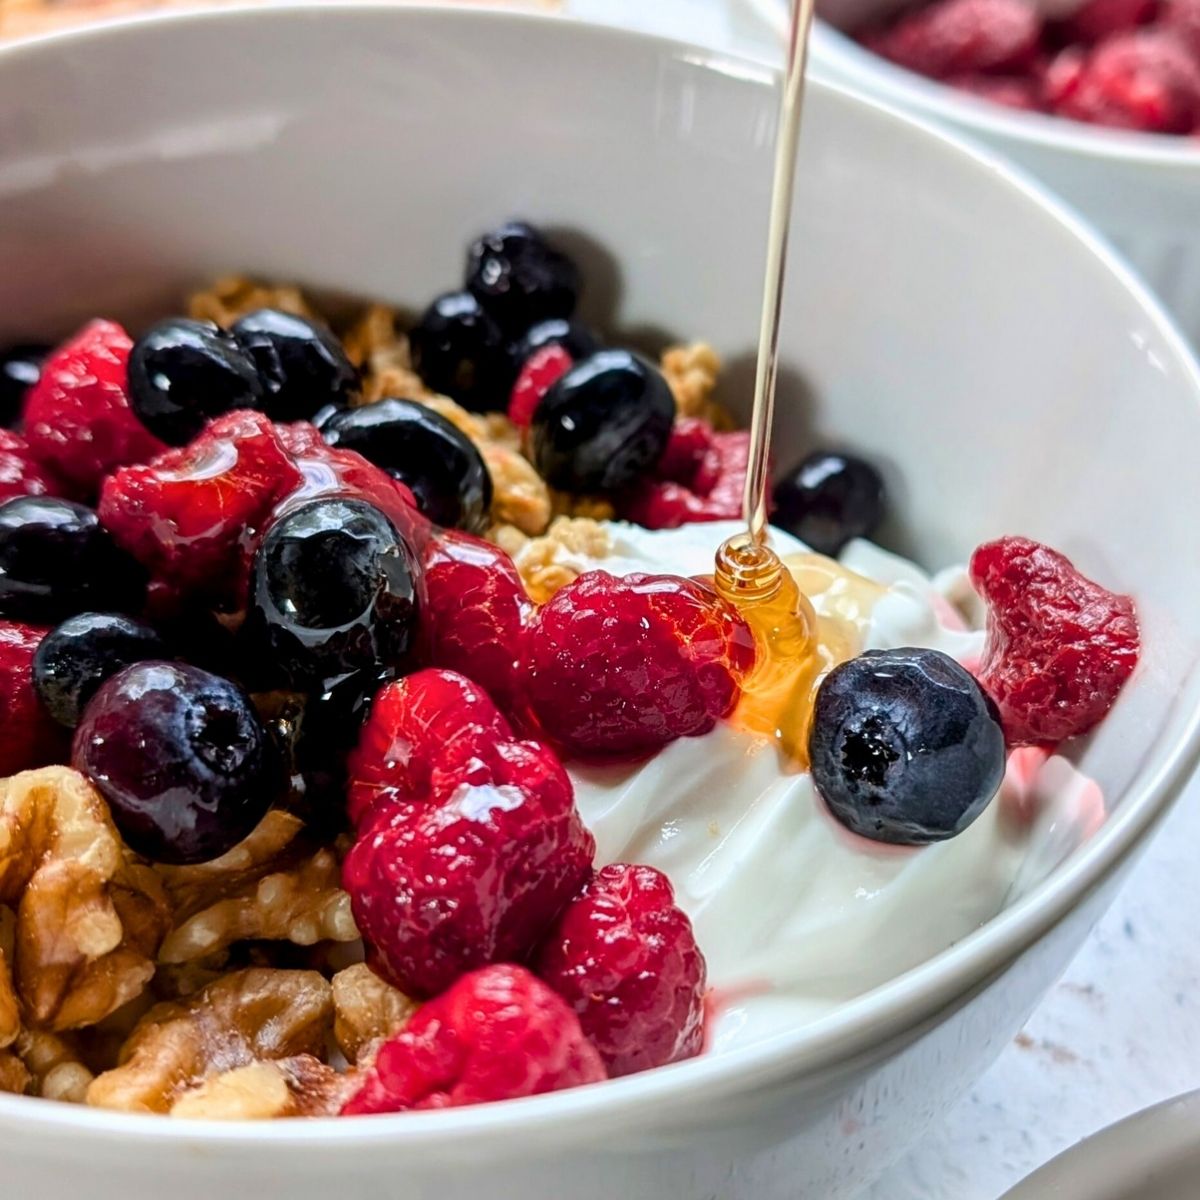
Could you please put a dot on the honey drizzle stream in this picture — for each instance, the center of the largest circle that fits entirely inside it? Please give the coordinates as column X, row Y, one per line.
column 777, row 698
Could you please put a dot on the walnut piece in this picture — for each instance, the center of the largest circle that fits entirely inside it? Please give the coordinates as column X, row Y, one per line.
column 302, row 1086
column 234, row 296
column 13, row 1075
column 244, row 1017
column 366, row 1009
column 55, row 1066
column 569, row 547
column 692, row 371
column 10, row 1013
column 89, row 917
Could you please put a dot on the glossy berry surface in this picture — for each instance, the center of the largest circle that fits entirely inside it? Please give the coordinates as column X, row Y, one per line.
column 182, row 759
column 520, row 278
column 905, row 747
column 332, row 592
column 437, row 461
column 75, row 658
column 603, row 425
column 476, row 607
column 828, row 499
column 56, row 559
column 1059, row 646
column 20, row 473
column 617, row 668
column 187, row 515
column 471, row 852
column 624, row 958
column 20, row 369
column 458, row 349
column 78, row 420
column 30, row 738
column 182, row 373
column 572, row 336
column 496, row 1034
column 540, row 371
column 300, row 362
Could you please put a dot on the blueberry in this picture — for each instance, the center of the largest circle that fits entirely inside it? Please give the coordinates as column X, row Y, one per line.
column 73, row 660
column 422, row 449
column 459, row 350
column 182, row 373
column 575, row 338
column 520, row 278
column 829, row 499
column 332, row 592
column 20, row 369
column 301, row 363
column 603, row 425
column 905, row 746
column 182, row 758
column 56, row 560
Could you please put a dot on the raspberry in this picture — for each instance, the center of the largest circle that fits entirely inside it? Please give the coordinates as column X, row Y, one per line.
column 414, row 722
column 20, row 474
column 473, row 872
column 29, row 736
column 1146, row 80
column 190, row 514
column 1007, row 90
column 1059, row 647
column 77, row 416
column 496, row 1034
column 616, row 668
column 701, row 478
column 1182, row 18
column 1098, row 19
column 624, row 958
column 961, row 37
column 542, row 369
column 1062, row 77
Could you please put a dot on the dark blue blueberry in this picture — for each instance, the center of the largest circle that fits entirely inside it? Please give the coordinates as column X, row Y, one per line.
column 332, row 592
column 73, row 660
column 183, row 760
column 603, row 425
column 302, row 365
column 182, row 373
column 905, row 746
column 56, row 560
column 20, row 369
column 520, row 278
column 575, row 338
column 829, row 499
column 422, row 449
column 460, row 351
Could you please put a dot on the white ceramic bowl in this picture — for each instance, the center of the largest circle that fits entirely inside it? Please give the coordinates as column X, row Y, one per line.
column 1141, row 190
column 948, row 318
column 1153, row 1155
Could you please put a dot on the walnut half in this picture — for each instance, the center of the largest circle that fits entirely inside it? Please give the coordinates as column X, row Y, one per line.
column 366, row 1009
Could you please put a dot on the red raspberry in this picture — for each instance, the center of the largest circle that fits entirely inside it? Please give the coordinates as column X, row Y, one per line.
column 1098, row 19
column 414, row 722
column 77, row 416
column 1182, row 18
column 624, row 957
column 1061, row 78
column 616, row 668
column 190, row 514
column 961, row 37
column 1146, row 80
column 1059, row 647
column 472, row 873
column 29, row 736
column 20, row 474
column 497, row 1034
column 542, row 369
column 475, row 607
column 713, row 489
column 1008, row 90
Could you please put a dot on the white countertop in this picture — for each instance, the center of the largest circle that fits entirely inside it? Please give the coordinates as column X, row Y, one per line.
column 1121, row 1030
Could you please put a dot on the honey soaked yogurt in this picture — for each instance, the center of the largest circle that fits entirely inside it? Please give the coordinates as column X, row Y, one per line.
column 796, row 914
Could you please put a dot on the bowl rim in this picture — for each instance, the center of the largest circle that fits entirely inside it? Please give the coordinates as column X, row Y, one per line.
column 854, row 65
column 868, row 1020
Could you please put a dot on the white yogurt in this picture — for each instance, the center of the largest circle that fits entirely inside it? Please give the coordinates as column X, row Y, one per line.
column 795, row 915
